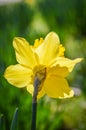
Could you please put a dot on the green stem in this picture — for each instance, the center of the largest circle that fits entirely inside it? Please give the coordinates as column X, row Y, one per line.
column 33, row 123
column 34, row 103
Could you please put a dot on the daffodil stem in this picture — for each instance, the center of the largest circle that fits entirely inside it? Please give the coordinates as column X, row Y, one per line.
column 34, row 111
column 34, row 102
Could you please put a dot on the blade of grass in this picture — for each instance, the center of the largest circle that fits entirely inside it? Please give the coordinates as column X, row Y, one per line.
column 14, row 120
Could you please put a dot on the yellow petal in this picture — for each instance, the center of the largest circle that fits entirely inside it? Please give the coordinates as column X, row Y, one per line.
column 71, row 94
column 57, row 87
column 24, row 53
column 48, row 49
column 18, row 75
column 41, row 93
column 30, row 89
column 58, row 71
column 65, row 62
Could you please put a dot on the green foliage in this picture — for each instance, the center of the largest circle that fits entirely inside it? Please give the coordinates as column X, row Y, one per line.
column 14, row 124
column 1, row 122
column 65, row 15
column 68, row 19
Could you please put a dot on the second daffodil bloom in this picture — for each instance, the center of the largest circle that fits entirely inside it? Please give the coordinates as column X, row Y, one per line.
column 42, row 65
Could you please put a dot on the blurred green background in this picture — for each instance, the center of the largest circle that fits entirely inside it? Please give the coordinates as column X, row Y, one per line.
column 34, row 19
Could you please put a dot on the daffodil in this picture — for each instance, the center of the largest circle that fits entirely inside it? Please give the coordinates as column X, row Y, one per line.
column 42, row 65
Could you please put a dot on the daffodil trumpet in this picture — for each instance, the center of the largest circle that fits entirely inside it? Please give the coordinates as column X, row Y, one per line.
column 42, row 69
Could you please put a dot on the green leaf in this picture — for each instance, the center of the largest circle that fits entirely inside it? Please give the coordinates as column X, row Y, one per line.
column 14, row 120
column 1, row 122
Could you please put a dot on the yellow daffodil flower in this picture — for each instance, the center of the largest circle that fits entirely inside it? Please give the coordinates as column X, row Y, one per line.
column 43, row 61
